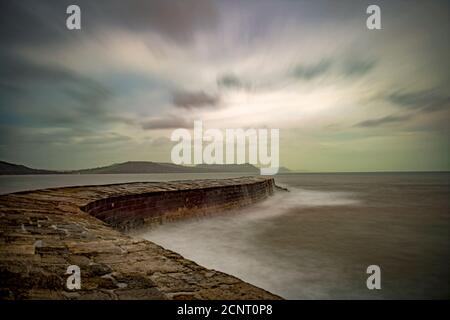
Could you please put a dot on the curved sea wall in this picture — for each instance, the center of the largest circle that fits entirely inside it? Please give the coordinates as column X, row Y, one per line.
column 43, row 232
column 177, row 201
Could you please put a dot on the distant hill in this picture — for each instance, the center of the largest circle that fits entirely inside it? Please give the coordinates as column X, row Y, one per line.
column 7, row 168
column 161, row 167
column 136, row 167
column 284, row 170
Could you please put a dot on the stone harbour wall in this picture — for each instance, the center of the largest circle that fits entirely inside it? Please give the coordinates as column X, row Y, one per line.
column 134, row 211
column 43, row 232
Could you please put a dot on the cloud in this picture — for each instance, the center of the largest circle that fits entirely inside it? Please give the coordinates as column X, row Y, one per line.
column 27, row 22
column 421, row 101
column 310, row 72
column 344, row 66
column 198, row 99
column 229, row 81
column 21, row 73
column 358, row 67
column 424, row 101
column 287, row 64
column 165, row 123
column 53, row 95
column 382, row 121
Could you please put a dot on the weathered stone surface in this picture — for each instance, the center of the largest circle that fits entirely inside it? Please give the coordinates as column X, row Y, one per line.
column 43, row 232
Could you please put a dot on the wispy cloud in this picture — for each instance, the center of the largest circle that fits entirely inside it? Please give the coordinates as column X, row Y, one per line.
column 358, row 66
column 422, row 101
column 165, row 123
column 391, row 119
column 55, row 94
column 188, row 100
column 309, row 72
column 230, row 81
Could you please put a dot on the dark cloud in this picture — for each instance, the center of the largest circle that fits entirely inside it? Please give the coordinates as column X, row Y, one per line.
column 200, row 99
column 229, row 81
column 416, row 103
column 19, row 71
column 358, row 67
column 309, row 72
column 343, row 66
column 383, row 120
column 44, row 21
column 53, row 95
column 420, row 101
column 32, row 22
column 165, row 123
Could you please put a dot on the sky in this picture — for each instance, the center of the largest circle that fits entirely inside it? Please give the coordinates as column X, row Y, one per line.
column 344, row 97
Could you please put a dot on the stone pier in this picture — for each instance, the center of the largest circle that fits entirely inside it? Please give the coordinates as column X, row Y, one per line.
column 43, row 232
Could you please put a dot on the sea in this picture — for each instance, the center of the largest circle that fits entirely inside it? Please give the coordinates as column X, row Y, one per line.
column 316, row 241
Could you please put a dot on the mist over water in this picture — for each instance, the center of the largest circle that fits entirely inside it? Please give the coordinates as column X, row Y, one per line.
column 316, row 241
column 230, row 242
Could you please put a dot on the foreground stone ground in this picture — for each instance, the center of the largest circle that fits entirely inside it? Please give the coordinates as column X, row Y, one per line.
column 43, row 232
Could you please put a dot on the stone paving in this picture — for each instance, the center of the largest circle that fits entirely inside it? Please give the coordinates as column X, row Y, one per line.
column 43, row 232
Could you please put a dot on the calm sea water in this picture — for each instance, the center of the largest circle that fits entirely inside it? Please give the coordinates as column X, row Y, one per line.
column 317, row 240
